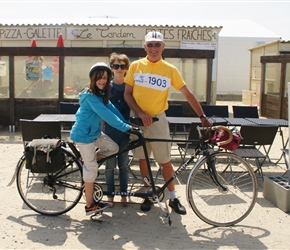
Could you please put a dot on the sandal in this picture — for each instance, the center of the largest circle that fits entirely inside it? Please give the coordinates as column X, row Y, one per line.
column 111, row 202
column 124, row 201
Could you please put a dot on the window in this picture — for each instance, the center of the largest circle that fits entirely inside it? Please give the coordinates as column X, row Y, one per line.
column 36, row 77
column 272, row 78
column 4, row 77
column 76, row 73
column 194, row 73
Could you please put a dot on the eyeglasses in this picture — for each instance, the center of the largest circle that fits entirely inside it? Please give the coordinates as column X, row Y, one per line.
column 117, row 66
column 156, row 45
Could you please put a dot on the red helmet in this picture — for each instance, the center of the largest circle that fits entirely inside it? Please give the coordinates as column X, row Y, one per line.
column 100, row 66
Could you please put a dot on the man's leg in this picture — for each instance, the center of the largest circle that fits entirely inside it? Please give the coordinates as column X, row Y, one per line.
column 174, row 203
column 168, row 172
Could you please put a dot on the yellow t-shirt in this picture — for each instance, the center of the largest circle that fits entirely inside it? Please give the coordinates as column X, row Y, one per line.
column 151, row 83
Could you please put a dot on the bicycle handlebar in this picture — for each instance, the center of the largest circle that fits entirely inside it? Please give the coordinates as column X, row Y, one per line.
column 138, row 121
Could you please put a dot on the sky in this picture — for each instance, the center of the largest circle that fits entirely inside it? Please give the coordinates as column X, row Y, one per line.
column 273, row 15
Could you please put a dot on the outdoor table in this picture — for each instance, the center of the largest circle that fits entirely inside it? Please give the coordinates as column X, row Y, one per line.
column 63, row 118
column 186, row 121
column 189, row 120
column 56, row 117
column 239, row 121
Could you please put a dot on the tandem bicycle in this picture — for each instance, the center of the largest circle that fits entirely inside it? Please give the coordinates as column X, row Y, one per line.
column 221, row 187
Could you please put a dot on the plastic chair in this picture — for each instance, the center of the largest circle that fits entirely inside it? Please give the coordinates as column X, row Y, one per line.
column 176, row 110
column 286, row 158
column 216, row 110
column 245, row 112
column 253, row 137
column 68, row 107
column 37, row 129
column 188, row 148
column 185, row 148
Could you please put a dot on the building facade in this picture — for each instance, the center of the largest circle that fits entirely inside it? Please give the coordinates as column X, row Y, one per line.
column 37, row 74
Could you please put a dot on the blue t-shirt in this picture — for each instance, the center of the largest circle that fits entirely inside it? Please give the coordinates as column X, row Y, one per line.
column 117, row 98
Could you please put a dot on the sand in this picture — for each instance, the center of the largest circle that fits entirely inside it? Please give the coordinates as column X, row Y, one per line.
column 267, row 227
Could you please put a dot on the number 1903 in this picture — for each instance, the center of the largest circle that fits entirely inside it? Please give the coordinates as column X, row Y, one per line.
column 157, row 81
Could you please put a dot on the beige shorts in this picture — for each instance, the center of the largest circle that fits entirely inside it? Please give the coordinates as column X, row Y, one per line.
column 161, row 150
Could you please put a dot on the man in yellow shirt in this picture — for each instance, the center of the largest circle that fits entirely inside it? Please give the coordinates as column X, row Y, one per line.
column 147, row 88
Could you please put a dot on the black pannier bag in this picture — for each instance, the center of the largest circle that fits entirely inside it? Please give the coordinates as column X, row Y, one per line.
column 44, row 155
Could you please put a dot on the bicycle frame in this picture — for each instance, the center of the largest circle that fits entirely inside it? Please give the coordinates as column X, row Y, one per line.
column 206, row 174
column 155, row 192
column 202, row 148
column 212, row 176
column 141, row 141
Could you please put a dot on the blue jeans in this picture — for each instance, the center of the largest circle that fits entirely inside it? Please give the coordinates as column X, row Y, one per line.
column 122, row 160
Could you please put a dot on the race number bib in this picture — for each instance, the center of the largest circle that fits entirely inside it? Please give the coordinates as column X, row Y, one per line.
column 152, row 81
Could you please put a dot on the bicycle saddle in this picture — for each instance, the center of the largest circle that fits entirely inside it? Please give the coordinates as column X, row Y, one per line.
column 138, row 121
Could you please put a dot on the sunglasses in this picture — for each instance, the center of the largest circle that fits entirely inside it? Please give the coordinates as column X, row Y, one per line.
column 156, row 45
column 122, row 66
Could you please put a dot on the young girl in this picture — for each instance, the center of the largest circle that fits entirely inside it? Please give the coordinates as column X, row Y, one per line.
column 86, row 132
column 119, row 64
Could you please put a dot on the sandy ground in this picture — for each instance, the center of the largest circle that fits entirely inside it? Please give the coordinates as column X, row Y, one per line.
column 267, row 227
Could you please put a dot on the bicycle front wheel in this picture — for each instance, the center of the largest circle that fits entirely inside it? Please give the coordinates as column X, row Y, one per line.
column 51, row 193
column 215, row 205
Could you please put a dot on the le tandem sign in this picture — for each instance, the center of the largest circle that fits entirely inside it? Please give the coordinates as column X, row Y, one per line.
column 137, row 33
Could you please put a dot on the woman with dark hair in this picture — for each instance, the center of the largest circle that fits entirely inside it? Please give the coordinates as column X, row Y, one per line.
column 95, row 107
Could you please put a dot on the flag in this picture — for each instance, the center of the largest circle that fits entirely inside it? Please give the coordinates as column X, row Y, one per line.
column 60, row 42
column 55, row 63
column 33, row 43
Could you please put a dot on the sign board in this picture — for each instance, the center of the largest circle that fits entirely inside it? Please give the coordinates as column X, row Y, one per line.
column 199, row 45
column 47, row 73
column 32, row 70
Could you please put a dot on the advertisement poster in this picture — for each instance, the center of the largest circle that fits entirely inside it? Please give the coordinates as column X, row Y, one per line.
column 47, row 73
column 32, row 70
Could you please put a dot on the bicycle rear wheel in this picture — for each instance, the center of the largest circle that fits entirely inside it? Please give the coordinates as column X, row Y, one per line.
column 210, row 202
column 51, row 193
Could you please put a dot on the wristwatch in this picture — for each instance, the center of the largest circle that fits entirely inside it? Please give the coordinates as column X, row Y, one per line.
column 202, row 116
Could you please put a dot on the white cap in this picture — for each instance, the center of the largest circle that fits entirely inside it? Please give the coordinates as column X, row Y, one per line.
column 154, row 36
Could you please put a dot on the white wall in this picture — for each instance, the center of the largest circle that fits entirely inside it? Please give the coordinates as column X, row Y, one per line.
column 233, row 66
